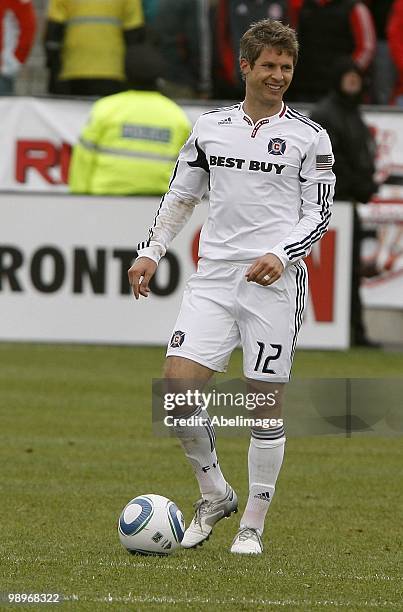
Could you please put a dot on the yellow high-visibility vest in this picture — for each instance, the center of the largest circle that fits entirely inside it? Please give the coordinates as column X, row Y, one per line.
column 129, row 145
column 93, row 45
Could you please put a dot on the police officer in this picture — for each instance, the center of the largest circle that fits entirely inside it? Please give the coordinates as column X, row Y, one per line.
column 132, row 139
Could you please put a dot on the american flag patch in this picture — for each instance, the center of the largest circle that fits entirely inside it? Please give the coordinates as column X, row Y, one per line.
column 324, row 162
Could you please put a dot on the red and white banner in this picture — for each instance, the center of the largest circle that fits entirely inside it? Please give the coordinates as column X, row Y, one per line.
column 382, row 255
column 37, row 135
column 63, row 273
column 36, row 138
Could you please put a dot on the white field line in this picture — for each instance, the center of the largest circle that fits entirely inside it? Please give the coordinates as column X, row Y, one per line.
column 279, row 572
column 303, row 603
column 201, row 568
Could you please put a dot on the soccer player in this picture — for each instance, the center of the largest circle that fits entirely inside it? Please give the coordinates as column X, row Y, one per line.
column 269, row 172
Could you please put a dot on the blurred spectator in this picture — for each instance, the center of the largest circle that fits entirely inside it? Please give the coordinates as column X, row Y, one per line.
column 354, row 152
column 17, row 33
column 183, row 31
column 232, row 19
column 133, row 138
column 395, row 38
column 150, row 8
column 383, row 72
column 85, row 44
column 294, row 9
column 328, row 30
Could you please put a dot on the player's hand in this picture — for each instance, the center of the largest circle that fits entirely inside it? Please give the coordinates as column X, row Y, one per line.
column 140, row 275
column 265, row 270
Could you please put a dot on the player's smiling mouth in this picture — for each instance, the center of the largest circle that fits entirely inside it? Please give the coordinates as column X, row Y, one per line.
column 273, row 86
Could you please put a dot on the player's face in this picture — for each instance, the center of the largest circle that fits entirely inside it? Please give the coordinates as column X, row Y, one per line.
column 270, row 76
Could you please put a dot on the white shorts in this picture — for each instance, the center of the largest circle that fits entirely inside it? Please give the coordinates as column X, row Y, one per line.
column 221, row 310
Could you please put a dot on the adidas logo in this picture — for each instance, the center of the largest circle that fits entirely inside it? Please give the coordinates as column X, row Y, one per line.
column 226, row 121
column 265, row 496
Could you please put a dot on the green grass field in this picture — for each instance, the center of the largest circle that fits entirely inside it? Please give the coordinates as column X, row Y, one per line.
column 77, row 444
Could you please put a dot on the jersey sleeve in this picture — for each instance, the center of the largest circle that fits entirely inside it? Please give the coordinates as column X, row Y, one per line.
column 394, row 32
column 25, row 14
column 189, row 183
column 317, row 191
column 363, row 30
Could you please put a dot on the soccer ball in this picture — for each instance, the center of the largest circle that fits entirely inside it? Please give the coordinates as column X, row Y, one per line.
column 151, row 525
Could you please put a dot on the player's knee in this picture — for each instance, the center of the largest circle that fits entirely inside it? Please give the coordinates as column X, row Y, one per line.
column 266, row 398
column 173, row 367
column 180, row 367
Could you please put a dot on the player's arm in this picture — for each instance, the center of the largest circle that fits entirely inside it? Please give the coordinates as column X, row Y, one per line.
column 189, row 183
column 317, row 189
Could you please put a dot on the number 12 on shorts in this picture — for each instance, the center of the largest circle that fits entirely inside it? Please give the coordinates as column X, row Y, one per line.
column 271, row 357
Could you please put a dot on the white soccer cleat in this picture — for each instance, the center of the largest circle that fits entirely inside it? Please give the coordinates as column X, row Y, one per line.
column 247, row 542
column 207, row 514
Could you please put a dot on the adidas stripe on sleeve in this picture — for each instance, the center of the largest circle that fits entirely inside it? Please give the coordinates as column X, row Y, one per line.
column 317, row 190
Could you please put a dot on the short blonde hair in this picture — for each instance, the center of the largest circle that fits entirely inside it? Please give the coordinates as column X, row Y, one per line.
column 268, row 33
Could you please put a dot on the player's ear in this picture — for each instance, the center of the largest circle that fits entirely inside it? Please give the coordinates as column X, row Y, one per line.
column 245, row 66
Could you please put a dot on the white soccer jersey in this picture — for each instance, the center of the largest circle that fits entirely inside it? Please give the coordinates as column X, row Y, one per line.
column 271, row 187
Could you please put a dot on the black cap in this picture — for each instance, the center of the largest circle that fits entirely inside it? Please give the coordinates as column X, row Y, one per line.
column 143, row 66
column 341, row 66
